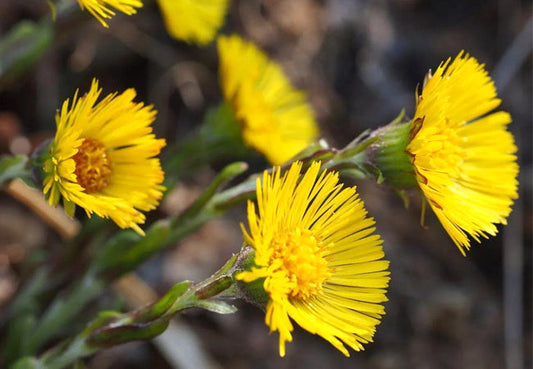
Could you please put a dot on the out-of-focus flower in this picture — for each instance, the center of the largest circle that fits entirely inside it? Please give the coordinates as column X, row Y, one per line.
column 316, row 251
column 463, row 155
column 104, row 158
column 195, row 21
column 275, row 118
column 101, row 9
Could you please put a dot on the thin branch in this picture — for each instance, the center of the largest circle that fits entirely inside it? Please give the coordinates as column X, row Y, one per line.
column 53, row 216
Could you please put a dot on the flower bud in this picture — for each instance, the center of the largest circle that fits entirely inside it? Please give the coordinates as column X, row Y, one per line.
column 388, row 154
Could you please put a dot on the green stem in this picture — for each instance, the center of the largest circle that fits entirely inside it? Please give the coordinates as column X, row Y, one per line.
column 113, row 328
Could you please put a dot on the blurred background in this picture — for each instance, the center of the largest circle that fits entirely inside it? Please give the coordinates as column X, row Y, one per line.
column 359, row 62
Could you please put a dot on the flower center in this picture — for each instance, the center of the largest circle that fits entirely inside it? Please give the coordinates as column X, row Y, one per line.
column 93, row 167
column 438, row 148
column 300, row 256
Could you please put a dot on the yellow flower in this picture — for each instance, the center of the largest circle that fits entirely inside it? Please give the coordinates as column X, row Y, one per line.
column 103, row 158
column 462, row 153
column 100, row 8
column 195, row 21
column 321, row 263
column 275, row 117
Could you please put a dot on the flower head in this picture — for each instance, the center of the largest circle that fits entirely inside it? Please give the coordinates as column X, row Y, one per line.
column 103, row 158
column 321, row 263
column 196, row 21
column 463, row 155
column 275, row 117
column 100, row 9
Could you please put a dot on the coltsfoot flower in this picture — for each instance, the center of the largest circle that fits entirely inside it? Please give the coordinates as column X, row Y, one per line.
column 104, row 158
column 196, row 21
column 463, row 155
column 102, row 9
column 275, row 118
column 316, row 251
